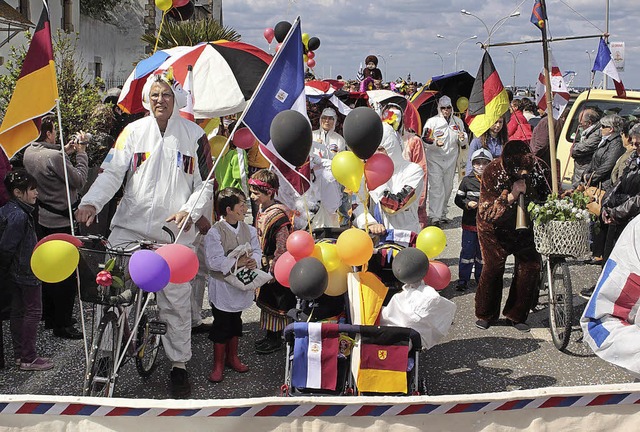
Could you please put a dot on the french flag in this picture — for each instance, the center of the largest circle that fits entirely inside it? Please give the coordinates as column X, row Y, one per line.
column 315, row 356
column 604, row 63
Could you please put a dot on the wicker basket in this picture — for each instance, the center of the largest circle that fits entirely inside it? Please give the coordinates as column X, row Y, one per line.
column 562, row 238
column 91, row 262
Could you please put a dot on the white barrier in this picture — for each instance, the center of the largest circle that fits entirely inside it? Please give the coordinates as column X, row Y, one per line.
column 592, row 408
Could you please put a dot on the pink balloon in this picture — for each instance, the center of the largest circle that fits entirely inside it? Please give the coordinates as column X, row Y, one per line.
column 283, row 267
column 311, row 63
column 269, row 34
column 438, row 276
column 378, row 170
column 243, row 139
column 60, row 236
column 300, row 244
column 179, row 3
column 182, row 260
column 311, row 54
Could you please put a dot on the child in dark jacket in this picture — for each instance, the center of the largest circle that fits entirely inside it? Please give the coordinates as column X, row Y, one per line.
column 467, row 199
column 17, row 242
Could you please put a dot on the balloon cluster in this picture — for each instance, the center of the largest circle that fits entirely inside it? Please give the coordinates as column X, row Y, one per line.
column 412, row 265
column 279, row 32
column 151, row 270
column 179, row 10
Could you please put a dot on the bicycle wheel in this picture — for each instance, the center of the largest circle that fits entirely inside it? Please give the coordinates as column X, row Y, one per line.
column 147, row 341
column 101, row 378
column 560, row 304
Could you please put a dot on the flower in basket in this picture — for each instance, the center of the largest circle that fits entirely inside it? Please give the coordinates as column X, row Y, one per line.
column 105, row 278
column 567, row 209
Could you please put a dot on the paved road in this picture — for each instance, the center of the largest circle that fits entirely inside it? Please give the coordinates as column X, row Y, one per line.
column 468, row 360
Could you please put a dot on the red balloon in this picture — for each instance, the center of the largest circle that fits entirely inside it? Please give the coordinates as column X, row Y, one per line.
column 378, row 170
column 243, row 139
column 311, row 63
column 311, row 54
column 182, row 260
column 60, row 236
column 179, row 3
column 300, row 244
column 283, row 267
column 438, row 276
column 268, row 34
column 278, row 47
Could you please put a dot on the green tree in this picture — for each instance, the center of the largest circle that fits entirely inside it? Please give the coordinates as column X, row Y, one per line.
column 190, row 33
column 78, row 94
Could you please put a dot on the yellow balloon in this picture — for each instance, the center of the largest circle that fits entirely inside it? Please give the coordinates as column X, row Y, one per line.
column 164, row 5
column 462, row 104
column 355, row 247
column 431, row 241
column 348, row 169
column 54, row 261
column 329, row 256
column 337, row 281
column 305, row 39
column 217, row 143
column 305, row 58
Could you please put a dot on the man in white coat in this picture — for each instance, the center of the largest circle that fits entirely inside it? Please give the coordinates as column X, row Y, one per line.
column 444, row 135
column 165, row 160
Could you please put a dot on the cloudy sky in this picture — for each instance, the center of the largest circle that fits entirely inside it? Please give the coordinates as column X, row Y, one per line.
column 404, row 34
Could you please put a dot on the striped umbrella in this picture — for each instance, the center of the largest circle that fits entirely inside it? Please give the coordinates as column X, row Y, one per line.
column 225, row 75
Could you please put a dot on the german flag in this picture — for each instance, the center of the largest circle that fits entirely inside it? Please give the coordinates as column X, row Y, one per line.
column 488, row 99
column 382, row 354
column 35, row 93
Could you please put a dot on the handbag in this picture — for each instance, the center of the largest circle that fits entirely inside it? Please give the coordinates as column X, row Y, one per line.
column 596, row 194
column 243, row 278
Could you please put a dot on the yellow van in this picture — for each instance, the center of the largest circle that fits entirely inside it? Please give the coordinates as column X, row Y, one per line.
column 607, row 102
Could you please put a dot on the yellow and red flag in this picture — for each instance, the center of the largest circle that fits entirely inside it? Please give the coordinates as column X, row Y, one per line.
column 488, row 100
column 35, row 93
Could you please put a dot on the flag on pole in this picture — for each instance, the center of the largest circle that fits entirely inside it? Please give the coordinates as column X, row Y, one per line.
column 187, row 111
column 488, row 100
column 538, row 16
column 559, row 91
column 315, row 355
column 604, row 63
column 282, row 88
column 35, row 93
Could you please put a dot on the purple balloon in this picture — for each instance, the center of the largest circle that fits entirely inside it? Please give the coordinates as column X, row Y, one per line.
column 149, row 271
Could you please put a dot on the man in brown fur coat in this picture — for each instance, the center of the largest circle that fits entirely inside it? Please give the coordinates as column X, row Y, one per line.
column 516, row 172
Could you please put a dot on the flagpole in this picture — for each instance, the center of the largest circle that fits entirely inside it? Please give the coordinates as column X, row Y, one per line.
column 242, row 115
column 64, row 165
column 547, row 78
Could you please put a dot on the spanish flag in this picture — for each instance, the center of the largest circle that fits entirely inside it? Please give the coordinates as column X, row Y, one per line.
column 35, row 93
column 488, row 100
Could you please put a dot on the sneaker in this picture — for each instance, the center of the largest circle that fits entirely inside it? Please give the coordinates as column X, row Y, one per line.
column 588, row 292
column 483, row 324
column 270, row 346
column 180, row 385
column 523, row 327
column 260, row 342
column 461, row 285
column 39, row 364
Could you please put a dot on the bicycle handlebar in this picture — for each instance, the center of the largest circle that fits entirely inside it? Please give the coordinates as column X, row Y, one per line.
column 139, row 244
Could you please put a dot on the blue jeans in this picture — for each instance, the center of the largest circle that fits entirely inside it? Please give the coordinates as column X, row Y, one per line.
column 469, row 256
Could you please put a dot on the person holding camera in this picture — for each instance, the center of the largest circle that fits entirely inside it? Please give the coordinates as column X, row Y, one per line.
column 44, row 160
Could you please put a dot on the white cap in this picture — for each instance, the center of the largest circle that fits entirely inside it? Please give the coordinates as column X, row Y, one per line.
column 329, row 112
column 481, row 153
column 444, row 101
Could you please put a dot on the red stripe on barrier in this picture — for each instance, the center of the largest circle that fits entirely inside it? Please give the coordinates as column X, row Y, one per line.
column 27, row 408
column 72, row 409
column 268, row 411
column 118, row 411
column 222, row 412
column 364, row 411
column 458, row 408
column 411, row 409
column 552, row 402
column 507, row 406
column 317, row 410
column 170, row 413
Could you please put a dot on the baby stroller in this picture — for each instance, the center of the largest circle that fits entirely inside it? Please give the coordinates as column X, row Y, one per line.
column 344, row 359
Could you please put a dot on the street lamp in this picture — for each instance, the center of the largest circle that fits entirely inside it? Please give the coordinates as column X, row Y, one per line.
column 515, row 60
column 455, row 56
column 490, row 31
column 441, row 60
column 385, row 65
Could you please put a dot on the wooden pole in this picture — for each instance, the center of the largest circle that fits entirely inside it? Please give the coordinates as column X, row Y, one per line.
column 547, row 78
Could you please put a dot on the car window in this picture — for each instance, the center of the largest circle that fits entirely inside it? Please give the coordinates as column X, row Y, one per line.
column 628, row 110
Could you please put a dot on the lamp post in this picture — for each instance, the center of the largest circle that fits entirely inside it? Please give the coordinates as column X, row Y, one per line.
column 385, row 65
column 441, row 60
column 455, row 56
column 515, row 60
column 490, row 31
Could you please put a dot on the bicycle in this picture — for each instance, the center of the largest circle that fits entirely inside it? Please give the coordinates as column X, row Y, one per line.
column 115, row 340
column 556, row 280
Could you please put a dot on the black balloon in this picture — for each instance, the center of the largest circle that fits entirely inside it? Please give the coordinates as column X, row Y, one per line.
column 410, row 265
column 309, row 278
column 182, row 13
column 313, row 43
column 281, row 29
column 362, row 130
column 291, row 135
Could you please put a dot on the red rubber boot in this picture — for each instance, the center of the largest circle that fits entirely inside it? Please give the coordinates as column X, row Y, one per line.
column 232, row 356
column 219, row 352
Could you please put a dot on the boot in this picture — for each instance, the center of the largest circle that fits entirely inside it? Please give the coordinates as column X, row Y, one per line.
column 218, row 362
column 232, row 356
